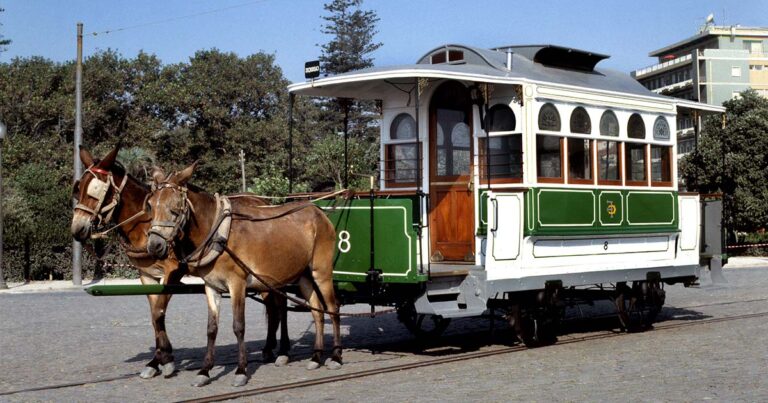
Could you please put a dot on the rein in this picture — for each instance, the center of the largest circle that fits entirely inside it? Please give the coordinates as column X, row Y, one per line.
column 98, row 189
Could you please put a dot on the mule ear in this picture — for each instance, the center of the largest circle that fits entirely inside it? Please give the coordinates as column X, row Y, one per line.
column 158, row 175
column 183, row 176
column 107, row 162
column 85, row 157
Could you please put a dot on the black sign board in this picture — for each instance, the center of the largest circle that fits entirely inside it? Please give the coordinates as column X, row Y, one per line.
column 312, row 69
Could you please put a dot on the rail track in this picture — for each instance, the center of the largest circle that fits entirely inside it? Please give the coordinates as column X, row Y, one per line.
column 603, row 334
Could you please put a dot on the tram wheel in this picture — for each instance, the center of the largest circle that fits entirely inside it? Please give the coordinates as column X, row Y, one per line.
column 638, row 307
column 422, row 326
column 536, row 330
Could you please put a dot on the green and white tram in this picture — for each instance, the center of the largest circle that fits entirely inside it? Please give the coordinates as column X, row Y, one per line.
column 510, row 177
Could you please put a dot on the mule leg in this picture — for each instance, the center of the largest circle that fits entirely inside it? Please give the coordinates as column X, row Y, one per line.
column 326, row 292
column 272, row 323
column 237, row 295
column 157, row 314
column 281, row 305
column 308, row 290
column 322, row 273
column 213, row 298
column 167, row 361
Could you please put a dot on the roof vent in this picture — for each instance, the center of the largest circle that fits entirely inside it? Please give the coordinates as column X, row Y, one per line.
column 509, row 59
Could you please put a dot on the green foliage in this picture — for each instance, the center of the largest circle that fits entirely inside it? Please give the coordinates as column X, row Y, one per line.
column 734, row 160
column 272, row 183
column 352, row 31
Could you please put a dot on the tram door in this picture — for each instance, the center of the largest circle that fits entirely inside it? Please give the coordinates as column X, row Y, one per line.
column 450, row 168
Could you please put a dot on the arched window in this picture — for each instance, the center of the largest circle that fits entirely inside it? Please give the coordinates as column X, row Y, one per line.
column 580, row 122
column 501, row 153
column 660, row 129
column 402, row 154
column 403, row 127
column 549, row 118
column 636, row 127
column 609, row 125
column 500, row 118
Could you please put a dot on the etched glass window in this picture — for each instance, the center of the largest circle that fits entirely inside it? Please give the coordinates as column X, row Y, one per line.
column 609, row 125
column 403, row 127
column 402, row 159
column 580, row 122
column 500, row 118
column 549, row 118
column 453, row 143
column 636, row 127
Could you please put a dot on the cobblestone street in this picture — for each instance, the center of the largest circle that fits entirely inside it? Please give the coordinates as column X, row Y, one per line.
column 69, row 346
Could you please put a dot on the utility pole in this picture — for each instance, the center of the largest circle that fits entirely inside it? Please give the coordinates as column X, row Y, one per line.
column 77, row 248
column 242, row 167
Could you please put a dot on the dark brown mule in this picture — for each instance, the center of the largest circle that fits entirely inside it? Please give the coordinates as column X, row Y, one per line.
column 274, row 245
column 106, row 193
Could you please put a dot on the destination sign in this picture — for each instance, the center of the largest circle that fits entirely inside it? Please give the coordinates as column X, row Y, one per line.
column 312, row 69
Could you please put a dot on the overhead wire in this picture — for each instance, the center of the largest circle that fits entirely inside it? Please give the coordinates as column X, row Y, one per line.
column 146, row 24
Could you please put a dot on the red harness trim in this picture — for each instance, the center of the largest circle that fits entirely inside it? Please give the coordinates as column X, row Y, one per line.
column 99, row 171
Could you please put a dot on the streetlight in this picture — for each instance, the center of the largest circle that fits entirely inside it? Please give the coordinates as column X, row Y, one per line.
column 3, row 131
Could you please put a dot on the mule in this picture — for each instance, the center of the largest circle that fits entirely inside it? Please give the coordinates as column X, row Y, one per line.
column 268, row 247
column 107, row 194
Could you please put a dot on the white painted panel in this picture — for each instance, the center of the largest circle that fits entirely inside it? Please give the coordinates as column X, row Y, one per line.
column 689, row 222
column 599, row 246
column 505, row 216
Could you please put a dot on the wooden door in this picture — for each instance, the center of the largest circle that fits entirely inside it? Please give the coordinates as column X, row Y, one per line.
column 452, row 208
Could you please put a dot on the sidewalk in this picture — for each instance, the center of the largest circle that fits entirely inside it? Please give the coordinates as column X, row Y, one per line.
column 66, row 285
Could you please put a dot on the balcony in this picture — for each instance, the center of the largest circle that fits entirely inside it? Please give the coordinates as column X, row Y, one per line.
column 674, row 87
column 637, row 74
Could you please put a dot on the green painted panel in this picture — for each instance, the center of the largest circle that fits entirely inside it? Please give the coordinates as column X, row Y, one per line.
column 651, row 208
column 560, row 208
column 482, row 229
column 599, row 212
column 395, row 239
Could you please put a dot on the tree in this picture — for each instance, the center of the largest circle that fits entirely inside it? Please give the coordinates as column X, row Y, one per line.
column 3, row 41
column 733, row 159
column 352, row 32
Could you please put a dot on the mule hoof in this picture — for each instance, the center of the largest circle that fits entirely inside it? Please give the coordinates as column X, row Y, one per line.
column 148, row 373
column 282, row 360
column 240, row 380
column 168, row 369
column 201, row 380
column 313, row 365
column 331, row 364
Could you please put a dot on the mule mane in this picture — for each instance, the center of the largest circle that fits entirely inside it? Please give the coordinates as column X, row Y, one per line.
column 118, row 169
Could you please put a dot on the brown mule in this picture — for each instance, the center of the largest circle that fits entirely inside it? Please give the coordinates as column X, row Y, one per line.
column 267, row 248
column 106, row 194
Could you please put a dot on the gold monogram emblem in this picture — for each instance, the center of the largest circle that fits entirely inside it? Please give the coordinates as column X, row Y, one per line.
column 611, row 209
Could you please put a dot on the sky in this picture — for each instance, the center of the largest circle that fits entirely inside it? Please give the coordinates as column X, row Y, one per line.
column 291, row 29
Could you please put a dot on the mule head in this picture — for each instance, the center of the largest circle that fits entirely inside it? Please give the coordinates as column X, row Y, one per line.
column 169, row 208
column 95, row 192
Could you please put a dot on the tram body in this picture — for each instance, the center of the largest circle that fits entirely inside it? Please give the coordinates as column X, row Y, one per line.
column 505, row 170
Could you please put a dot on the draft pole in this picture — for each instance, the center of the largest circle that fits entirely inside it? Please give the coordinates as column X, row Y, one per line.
column 346, row 102
column 242, row 167
column 77, row 248
column 291, row 98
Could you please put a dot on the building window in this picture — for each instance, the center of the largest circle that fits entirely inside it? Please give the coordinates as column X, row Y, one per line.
column 501, row 153
column 609, row 125
column 661, row 129
column 580, row 122
column 549, row 118
column 608, row 162
column 661, row 167
column 754, row 47
column 401, row 158
column 636, row 164
column 636, row 127
column 735, row 71
column 549, row 158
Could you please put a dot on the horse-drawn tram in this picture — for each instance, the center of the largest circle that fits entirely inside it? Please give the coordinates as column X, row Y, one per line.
column 512, row 181
column 512, row 178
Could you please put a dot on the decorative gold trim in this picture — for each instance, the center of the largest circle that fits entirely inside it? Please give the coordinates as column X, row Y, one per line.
column 423, row 82
column 518, row 97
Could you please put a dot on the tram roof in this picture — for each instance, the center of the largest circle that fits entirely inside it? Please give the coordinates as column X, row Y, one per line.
column 533, row 63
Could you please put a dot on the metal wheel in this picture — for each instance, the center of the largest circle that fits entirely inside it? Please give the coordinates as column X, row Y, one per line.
column 638, row 307
column 422, row 326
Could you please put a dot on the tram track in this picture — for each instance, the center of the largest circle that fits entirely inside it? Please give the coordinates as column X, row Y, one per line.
column 401, row 367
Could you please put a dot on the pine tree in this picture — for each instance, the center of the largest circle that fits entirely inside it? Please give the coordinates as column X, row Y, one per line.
column 3, row 41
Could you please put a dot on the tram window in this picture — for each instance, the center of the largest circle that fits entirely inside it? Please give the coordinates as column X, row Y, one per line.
column 636, row 127
column 401, row 164
column 549, row 118
column 608, row 163
column 609, row 124
column 500, row 118
column 502, row 158
column 579, row 160
column 580, row 122
column 661, row 167
column 401, row 158
column 549, row 158
column 636, row 164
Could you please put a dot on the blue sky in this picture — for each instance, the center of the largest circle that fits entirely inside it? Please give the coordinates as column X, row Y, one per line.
column 626, row 30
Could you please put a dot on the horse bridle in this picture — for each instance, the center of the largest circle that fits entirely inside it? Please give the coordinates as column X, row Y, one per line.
column 181, row 210
column 98, row 190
